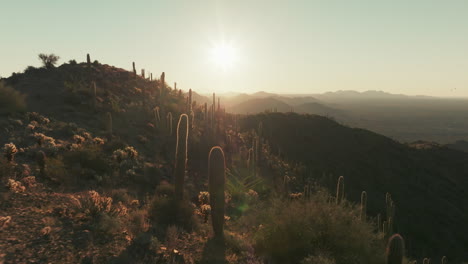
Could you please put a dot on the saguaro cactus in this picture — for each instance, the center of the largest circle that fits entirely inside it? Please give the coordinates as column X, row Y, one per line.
column 143, row 73
column 169, row 122
column 181, row 155
column 190, row 101
column 363, row 206
column 163, row 80
column 216, row 174
column 340, row 190
column 134, row 69
column 390, row 212
column 109, row 122
column 41, row 161
column 444, row 260
column 88, row 60
column 395, row 249
column 157, row 117
column 205, row 116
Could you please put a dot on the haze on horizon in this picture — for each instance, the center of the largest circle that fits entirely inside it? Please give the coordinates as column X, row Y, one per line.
column 303, row 47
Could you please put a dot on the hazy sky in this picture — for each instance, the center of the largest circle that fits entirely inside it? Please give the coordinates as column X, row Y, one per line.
column 410, row 46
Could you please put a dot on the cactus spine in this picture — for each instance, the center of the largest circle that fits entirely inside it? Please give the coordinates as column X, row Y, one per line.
column 216, row 174
column 395, row 249
column 340, row 190
column 363, row 206
column 181, row 155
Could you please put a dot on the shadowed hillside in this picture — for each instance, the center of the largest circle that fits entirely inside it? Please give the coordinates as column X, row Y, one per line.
column 427, row 185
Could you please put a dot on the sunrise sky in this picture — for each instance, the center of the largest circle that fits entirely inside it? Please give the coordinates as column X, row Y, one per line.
column 409, row 47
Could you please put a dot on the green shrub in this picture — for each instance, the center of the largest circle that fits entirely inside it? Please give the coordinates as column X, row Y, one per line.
column 11, row 101
column 290, row 231
column 166, row 211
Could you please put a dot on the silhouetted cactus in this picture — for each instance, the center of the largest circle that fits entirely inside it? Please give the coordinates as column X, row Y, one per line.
column 444, row 260
column 157, row 117
column 169, row 122
column 175, row 86
column 363, row 206
column 205, row 116
column 216, row 174
column 340, row 190
column 379, row 221
column 163, row 80
column 109, row 124
column 390, row 212
column 41, row 161
column 134, row 69
column 395, row 249
column 88, row 60
column 94, row 94
column 189, row 106
column 143, row 73
column 192, row 119
column 181, row 155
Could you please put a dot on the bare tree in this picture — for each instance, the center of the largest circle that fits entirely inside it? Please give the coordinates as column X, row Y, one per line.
column 49, row 60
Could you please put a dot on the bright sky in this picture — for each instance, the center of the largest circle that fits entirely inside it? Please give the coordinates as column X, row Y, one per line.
column 399, row 46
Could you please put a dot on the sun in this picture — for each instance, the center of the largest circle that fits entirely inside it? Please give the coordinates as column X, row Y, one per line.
column 224, row 56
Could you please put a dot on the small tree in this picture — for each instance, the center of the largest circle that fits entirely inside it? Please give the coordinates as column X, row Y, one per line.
column 49, row 60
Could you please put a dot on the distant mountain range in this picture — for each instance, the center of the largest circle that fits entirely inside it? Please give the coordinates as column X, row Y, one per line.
column 402, row 117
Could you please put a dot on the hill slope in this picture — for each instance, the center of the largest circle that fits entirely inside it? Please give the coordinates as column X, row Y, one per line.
column 428, row 185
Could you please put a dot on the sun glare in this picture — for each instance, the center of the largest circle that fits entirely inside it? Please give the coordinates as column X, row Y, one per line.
column 224, row 56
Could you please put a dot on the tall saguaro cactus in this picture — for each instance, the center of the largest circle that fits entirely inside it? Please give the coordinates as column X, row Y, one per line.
column 363, row 206
column 169, row 122
column 395, row 249
column 340, row 190
column 216, row 174
column 134, row 69
column 88, row 60
column 109, row 123
column 181, row 155
column 189, row 106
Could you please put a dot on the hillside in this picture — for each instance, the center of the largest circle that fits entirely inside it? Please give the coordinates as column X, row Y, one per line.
column 428, row 185
column 93, row 171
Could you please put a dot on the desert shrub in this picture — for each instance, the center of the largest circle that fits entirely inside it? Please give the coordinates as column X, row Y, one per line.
column 89, row 157
column 290, row 231
column 166, row 211
column 138, row 222
column 105, row 216
column 56, row 170
column 11, row 101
